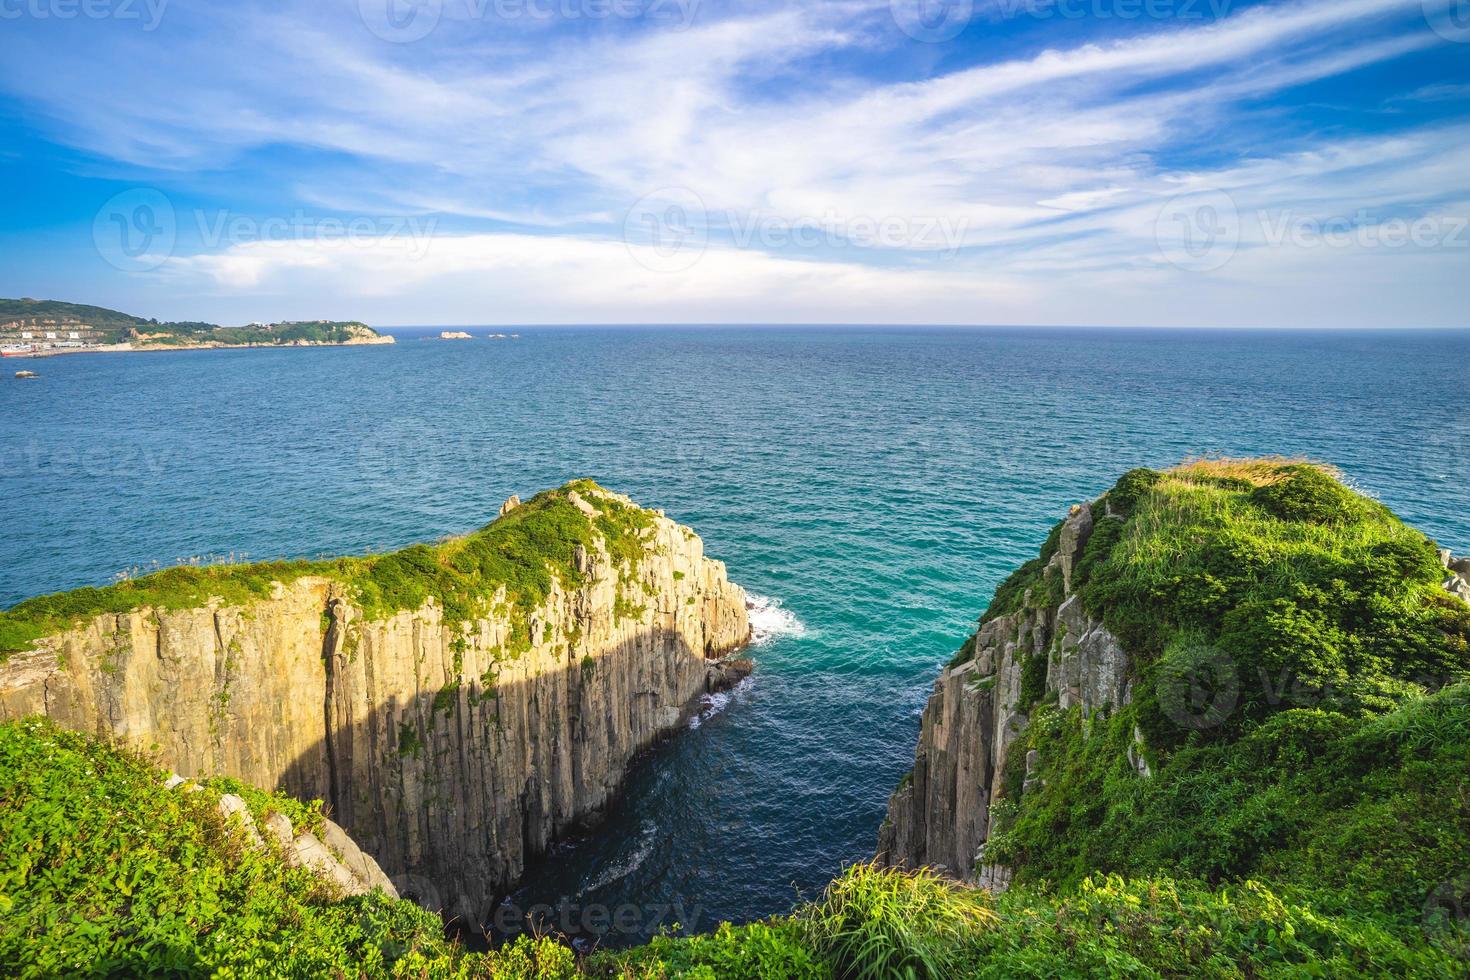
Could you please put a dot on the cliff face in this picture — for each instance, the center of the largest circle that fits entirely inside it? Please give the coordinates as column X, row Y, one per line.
column 1242, row 590
column 941, row 815
column 447, row 759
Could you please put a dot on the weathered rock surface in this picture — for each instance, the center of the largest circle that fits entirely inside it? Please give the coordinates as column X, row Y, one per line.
column 940, row 815
column 447, row 760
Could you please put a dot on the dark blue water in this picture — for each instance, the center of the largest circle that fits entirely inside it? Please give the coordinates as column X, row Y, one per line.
column 877, row 482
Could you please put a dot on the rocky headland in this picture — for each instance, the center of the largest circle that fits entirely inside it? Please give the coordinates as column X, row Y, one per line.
column 458, row 706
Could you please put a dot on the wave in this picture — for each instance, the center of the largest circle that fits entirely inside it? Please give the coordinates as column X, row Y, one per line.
column 621, row 869
column 769, row 620
column 713, row 704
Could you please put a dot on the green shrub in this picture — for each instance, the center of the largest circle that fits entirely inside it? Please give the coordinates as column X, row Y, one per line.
column 1307, row 493
column 874, row 923
column 103, row 871
column 305, row 817
column 773, row 950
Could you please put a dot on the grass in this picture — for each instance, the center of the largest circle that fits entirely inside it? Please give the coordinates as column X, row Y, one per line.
column 1294, row 580
column 873, row 924
column 524, row 553
column 1316, row 825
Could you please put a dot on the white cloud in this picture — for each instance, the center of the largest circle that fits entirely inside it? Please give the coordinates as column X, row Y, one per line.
column 1054, row 166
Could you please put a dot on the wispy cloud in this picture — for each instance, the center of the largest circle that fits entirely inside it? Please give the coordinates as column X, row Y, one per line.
column 1048, row 168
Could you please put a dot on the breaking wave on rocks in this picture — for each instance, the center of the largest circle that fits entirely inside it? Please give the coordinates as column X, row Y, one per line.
column 769, row 620
column 712, row 704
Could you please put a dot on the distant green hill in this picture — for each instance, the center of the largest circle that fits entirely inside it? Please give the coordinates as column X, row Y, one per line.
column 104, row 326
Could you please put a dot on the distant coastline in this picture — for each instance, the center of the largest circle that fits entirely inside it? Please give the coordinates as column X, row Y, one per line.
column 47, row 328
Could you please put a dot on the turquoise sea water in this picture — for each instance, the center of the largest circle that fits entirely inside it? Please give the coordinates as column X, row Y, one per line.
column 873, row 485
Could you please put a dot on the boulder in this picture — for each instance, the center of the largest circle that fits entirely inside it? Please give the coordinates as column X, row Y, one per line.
column 357, row 861
column 511, row 503
column 309, row 852
column 231, row 807
column 278, row 828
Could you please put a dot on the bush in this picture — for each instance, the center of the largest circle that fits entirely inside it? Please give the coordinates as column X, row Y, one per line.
column 876, row 923
column 1307, row 493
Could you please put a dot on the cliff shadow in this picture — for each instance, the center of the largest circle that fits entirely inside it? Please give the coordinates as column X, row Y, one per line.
column 457, row 790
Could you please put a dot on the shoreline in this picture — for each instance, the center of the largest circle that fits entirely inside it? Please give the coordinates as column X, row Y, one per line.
column 133, row 349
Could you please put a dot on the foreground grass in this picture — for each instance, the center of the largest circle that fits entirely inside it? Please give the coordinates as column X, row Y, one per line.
column 104, row 872
column 522, row 552
column 1312, row 821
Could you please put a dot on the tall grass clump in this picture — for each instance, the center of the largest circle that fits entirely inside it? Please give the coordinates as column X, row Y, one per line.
column 875, row 923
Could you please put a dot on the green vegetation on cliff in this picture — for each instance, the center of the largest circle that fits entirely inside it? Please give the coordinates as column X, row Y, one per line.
column 1300, row 700
column 522, row 552
column 112, row 327
column 1300, row 697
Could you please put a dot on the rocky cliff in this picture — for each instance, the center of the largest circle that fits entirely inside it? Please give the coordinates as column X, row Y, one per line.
column 1245, row 587
column 454, row 737
column 940, row 816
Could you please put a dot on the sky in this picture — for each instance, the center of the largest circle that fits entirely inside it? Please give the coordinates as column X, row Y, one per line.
column 1048, row 162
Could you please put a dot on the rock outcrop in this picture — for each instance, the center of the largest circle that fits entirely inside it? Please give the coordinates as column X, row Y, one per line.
column 940, row 815
column 1049, row 649
column 449, row 760
column 334, row 857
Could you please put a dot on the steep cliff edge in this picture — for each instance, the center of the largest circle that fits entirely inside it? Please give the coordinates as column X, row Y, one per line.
column 1130, row 694
column 458, row 705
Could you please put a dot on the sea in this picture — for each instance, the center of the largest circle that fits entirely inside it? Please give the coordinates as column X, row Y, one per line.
column 868, row 486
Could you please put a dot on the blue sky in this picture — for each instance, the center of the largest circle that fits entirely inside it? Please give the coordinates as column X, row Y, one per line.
column 1128, row 162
